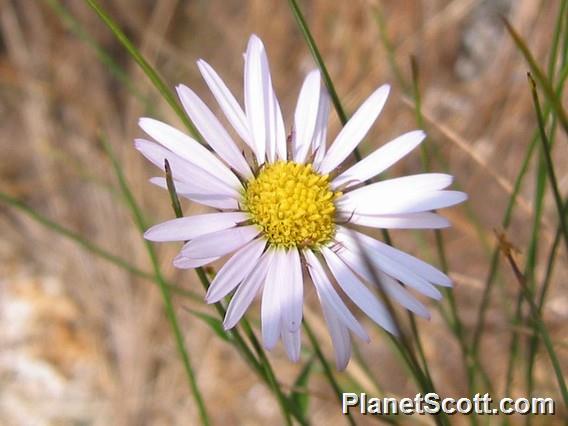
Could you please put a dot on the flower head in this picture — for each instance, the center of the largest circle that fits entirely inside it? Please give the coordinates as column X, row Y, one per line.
column 283, row 203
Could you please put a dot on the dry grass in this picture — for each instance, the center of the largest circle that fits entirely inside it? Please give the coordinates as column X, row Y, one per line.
column 82, row 341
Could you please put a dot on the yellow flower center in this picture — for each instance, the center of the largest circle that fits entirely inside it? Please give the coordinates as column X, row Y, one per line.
column 292, row 204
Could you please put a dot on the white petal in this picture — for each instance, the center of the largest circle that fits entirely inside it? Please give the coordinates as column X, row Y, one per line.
column 391, row 188
column 219, row 243
column 270, row 308
column 305, row 115
column 182, row 262
column 247, row 291
column 185, row 171
column 355, row 129
column 411, row 202
column 380, row 160
column 292, row 341
column 292, row 293
column 320, row 133
column 213, row 131
column 388, row 285
column 358, row 292
column 382, row 250
column 327, row 295
column 186, row 228
column 401, row 221
column 189, row 149
column 339, row 337
column 226, row 101
column 257, row 82
column 198, row 195
column 276, row 126
column 235, row 270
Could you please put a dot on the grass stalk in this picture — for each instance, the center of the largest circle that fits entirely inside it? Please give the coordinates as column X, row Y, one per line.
column 166, row 295
column 506, row 249
column 150, row 72
column 89, row 245
column 549, row 164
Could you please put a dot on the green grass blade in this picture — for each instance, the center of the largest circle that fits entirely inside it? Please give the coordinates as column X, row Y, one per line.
column 166, row 295
column 543, row 81
column 88, row 245
column 115, row 69
column 549, row 164
column 328, row 372
column 300, row 395
column 303, row 26
column 152, row 74
column 529, row 297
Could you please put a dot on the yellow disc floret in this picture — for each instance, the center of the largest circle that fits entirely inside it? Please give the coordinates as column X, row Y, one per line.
column 292, row 204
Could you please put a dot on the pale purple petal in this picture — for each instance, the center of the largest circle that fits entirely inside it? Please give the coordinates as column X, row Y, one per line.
column 355, row 130
column 403, row 203
column 219, row 243
column 381, row 250
column 327, row 294
column 320, row 132
column 213, row 131
column 257, row 83
column 189, row 149
column 424, row 220
column 358, row 292
column 235, row 270
column 339, row 337
column 292, row 341
column 247, row 291
column 231, row 108
column 292, row 292
column 182, row 262
column 380, row 160
column 186, row 228
column 305, row 116
column 386, row 283
column 185, row 171
column 270, row 308
column 199, row 195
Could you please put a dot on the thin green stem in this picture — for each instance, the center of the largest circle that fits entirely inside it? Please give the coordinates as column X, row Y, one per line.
column 88, row 245
column 326, row 368
column 529, row 297
column 539, row 74
column 152, row 74
column 115, row 69
column 312, row 46
column 166, row 295
column 549, row 164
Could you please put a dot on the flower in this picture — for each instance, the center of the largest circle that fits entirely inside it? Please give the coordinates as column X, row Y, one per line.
column 286, row 204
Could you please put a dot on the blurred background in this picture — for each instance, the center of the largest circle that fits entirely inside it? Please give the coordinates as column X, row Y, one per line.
column 84, row 342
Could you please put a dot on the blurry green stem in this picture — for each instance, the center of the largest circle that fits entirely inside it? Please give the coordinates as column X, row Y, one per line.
column 549, row 164
column 88, row 245
column 544, row 82
column 146, row 67
column 166, row 296
column 326, row 368
column 303, row 26
column 529, row 297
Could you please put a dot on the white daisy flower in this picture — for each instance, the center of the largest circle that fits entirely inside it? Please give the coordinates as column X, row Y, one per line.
column 287, row 204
